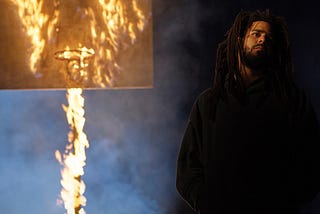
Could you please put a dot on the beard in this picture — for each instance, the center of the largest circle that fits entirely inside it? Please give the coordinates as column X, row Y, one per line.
column 259, row 60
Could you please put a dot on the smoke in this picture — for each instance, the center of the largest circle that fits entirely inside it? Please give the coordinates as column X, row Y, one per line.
column 134, row 135
column 29, row 134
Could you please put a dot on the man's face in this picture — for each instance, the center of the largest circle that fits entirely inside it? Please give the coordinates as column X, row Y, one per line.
column 257, row 45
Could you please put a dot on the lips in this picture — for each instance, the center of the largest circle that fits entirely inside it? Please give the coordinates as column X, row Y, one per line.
column 259, row 47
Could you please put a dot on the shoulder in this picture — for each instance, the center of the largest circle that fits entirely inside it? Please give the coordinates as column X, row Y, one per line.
column 205, row 103
column 299, row 98
column 301, row 105
column 206, row 96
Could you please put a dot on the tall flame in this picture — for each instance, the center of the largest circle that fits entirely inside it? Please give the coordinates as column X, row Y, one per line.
column 33, row 20
column 52, row 23
column 113, row 26
column 74, row 157
column 121, row 20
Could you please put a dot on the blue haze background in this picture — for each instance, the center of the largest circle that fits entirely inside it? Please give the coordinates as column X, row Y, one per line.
column 135, row 135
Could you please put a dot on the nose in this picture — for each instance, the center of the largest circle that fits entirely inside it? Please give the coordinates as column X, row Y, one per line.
column 261, row 39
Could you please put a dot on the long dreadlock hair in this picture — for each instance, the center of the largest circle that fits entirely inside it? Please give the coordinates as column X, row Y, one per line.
column 227, row 72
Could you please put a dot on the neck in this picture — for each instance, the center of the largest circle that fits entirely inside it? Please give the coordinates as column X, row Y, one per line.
column 249, row 75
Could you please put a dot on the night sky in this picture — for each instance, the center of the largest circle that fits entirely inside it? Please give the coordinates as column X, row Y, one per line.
column 135, row 135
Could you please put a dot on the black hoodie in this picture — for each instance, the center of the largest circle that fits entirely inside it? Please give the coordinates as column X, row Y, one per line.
column 251, row 157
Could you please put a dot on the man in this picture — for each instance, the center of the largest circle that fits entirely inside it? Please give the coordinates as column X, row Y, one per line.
column 251, row 145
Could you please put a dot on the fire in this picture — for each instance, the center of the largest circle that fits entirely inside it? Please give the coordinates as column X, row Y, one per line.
column 74, row 157
column 78, row 61
column 33, row 20
column 118, row 28
column 52, row 23
column 113, row 26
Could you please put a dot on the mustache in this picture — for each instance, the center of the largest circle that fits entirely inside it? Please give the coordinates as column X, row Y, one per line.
column 259, row 45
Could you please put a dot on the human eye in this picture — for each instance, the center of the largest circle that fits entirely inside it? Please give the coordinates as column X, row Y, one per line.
column 255, row 34
column 269, row 38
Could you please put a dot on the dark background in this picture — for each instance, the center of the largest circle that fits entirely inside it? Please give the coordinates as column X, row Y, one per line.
column 135, row 134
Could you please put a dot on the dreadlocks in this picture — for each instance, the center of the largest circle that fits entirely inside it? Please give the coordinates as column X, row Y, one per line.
column 227, row 71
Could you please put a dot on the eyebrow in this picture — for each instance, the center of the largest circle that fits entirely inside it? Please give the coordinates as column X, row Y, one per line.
column 262, row 31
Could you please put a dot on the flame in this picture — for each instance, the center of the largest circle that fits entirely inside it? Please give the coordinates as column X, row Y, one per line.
column 52, row 24
column 113, row 24
column 74, row 157
column 116, row 33
column 78, row 62
column 32, row 20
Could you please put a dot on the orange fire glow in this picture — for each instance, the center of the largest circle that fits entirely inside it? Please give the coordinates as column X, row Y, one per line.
column 74, row 157
column 78, row 61
column 33, row 20
column 113, row 25
column 120, row 26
